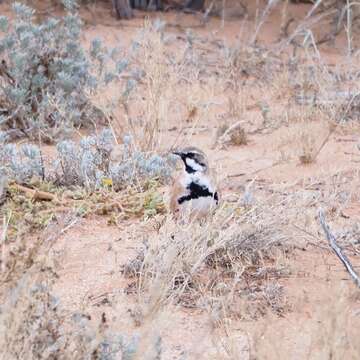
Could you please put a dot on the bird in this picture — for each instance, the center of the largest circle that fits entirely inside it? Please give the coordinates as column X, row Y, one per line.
column 194, row 192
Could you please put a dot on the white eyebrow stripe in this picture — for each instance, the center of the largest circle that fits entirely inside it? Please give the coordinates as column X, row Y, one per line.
column 194, row 165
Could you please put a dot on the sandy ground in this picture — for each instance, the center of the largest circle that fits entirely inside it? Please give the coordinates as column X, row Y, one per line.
column 90, row 278
column 320, row 294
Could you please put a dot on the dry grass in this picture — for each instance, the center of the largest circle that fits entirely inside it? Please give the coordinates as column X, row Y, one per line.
column 238, row 137
column 190, row 264
column 157, row 83
column 234, row 267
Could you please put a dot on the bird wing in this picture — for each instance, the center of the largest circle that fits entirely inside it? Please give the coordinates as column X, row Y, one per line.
column 177, row 191
column 214, row 181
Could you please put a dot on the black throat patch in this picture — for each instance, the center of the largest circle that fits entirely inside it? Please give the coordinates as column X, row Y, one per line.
column 197, row 191
column 189, row 169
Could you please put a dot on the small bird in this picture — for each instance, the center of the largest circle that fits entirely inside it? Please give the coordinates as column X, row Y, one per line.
column 194, row 191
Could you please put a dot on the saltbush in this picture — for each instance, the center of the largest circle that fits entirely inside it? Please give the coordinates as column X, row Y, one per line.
column 47, row 78
column 88, row 164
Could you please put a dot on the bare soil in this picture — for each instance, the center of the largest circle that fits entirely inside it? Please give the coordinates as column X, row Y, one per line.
column 321, row 319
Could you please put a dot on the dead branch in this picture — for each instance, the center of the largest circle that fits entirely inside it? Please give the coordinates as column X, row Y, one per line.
column 332, row 241
column 34, row 194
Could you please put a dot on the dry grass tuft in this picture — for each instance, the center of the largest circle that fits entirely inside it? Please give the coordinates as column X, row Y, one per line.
column 230, row 135
column 191, row 264
column 308, row 142
column 238, row 137
column 152, row 62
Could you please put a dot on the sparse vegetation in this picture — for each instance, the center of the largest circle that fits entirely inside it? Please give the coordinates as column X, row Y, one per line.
column 93, row 266
column 47, row 77
column 97, row 162
column 186, row 266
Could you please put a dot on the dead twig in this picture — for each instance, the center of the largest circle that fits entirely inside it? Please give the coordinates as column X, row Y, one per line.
column 3, row 189
column 332, row 241
column 333, row 127
column 236, row 175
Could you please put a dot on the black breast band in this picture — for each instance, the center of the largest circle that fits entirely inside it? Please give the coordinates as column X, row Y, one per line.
column 197, row 191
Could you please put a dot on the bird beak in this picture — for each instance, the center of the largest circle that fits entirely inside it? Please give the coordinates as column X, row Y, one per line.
column 178, row 153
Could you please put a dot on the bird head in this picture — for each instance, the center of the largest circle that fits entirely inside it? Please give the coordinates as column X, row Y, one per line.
column 194, row 159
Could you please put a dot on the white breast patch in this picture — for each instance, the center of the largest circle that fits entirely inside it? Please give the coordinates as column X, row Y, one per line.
column 201, row 205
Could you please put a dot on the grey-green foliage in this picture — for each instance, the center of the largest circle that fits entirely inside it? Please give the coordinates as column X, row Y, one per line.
column 35, row 323
column 47, row 76
column 90, row 162
column 86, row 164
column 137, row 164
column 20, row 164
